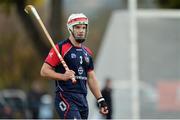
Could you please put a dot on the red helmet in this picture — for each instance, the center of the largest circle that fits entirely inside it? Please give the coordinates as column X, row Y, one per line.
column 75, row 19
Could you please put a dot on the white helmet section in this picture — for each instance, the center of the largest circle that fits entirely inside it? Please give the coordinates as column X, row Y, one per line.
column 75, row 19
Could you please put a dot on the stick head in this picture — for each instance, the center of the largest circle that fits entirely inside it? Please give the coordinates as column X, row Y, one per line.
column 31, row 9
column 28, row 8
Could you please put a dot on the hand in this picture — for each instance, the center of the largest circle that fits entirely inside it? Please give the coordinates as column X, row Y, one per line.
column 69, row 74
column 102, row 106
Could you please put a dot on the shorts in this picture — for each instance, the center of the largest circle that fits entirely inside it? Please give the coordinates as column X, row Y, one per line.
column 71, row 105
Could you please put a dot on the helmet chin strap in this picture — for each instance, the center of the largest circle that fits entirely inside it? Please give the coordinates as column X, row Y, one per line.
column 79, row 40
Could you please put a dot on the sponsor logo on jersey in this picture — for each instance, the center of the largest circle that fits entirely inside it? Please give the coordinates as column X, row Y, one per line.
column 78, row 49
column 80, row 77
column 73, row 55
column 51, row 54
column 80, row 70
column 86, row 59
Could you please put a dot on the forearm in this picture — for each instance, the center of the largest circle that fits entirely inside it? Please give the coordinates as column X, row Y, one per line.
column 94, row 87
column 52, row 75
column 48, row 72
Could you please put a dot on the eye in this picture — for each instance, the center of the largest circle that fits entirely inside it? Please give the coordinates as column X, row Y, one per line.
column 84, row 27
column 77, row 27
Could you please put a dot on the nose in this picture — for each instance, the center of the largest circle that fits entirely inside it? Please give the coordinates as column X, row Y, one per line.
column 81, row 30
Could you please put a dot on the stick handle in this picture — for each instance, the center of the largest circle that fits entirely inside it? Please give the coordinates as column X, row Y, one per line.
column 31, row 8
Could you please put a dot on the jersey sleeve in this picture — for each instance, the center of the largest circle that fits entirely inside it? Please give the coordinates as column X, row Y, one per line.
column 52, row 58
column 91, row 64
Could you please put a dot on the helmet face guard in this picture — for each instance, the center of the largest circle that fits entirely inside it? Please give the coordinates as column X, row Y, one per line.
column 77, row 19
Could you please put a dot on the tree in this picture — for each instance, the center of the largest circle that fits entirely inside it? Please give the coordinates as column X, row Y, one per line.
column 56, row 17
column 18, row 64
column 174, row 4
column 30, row 26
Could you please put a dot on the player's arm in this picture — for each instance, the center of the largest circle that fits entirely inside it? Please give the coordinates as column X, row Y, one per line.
column 93, row 84
column 94, row 87
column 48, row 71
column 51, row 61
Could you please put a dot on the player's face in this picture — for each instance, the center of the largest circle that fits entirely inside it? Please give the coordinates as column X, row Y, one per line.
column 79, row 31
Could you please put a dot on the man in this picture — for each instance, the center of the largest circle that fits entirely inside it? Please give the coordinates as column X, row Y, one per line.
column 107, row 94
column 70, row 100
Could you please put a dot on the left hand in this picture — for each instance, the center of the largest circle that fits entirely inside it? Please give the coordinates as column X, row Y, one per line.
column 103, row 108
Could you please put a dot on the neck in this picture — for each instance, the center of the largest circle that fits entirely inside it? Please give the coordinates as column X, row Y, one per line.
column 73, row 41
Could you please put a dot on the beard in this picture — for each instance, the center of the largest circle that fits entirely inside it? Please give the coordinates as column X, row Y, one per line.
column 80, row 40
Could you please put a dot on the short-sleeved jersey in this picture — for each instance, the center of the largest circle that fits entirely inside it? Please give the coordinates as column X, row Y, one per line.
column 78, row 59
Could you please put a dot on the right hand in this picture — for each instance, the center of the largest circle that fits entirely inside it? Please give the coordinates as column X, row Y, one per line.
column 69, row 74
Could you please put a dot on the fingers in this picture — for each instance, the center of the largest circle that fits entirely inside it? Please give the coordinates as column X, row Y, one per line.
column 69, row 74
column 104, row 110
column 72, row 71
column 72, row 74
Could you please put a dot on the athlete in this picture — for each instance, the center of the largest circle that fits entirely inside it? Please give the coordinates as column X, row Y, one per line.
column 70, row 100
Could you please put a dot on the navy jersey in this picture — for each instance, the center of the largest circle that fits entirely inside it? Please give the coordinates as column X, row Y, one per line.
column 78, row 59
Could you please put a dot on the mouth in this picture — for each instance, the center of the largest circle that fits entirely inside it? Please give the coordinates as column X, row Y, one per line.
column 80, row 35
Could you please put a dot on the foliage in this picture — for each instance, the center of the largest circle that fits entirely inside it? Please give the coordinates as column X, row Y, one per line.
column 174, row 4
column 19, row 61
column 21, row 64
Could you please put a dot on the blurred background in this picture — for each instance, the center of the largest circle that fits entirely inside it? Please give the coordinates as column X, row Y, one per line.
column 135, row 45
